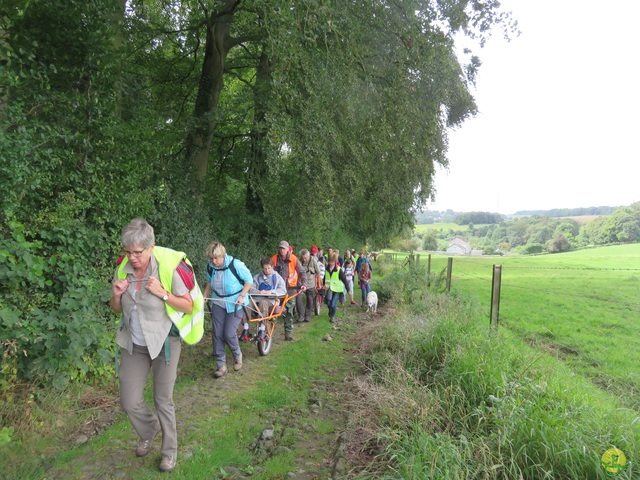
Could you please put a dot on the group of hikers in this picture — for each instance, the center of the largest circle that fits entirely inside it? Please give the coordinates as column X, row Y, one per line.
column 157, row 296
column 232, row 291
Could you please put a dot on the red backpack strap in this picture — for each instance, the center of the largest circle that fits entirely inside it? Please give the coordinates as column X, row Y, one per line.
column 120, row 259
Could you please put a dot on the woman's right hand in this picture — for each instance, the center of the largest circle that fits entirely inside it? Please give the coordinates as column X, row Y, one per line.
column 119, row 287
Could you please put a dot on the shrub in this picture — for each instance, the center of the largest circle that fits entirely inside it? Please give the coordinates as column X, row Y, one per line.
column 55, row 328
column 532, row 248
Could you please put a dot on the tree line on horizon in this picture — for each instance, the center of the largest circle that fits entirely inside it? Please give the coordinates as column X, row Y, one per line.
column 426, row 217
column 534, row 233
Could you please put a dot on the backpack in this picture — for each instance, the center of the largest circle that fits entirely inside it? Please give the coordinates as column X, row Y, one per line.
column 186, row 274
column 265, row 286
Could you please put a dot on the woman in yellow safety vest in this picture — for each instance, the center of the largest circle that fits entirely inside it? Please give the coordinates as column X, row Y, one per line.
column 145, row 294
column 335, row 283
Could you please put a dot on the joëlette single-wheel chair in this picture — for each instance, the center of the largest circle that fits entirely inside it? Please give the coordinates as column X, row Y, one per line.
column 266, row 325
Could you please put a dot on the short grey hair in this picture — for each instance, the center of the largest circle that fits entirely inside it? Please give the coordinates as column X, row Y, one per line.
column 304, row 252
column 138, row 232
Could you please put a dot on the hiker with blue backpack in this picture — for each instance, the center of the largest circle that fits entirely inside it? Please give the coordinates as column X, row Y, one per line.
column 155, row 291
column 228, row 284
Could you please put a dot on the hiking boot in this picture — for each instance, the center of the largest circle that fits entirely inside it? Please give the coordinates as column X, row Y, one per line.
column 332, row 319
column 288, row 337
column 168, row 463
column 144, row 446
column 238, row 365
column 220, row 372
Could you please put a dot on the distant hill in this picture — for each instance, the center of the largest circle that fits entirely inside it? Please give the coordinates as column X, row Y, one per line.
column 434, row 216
column 569, row 212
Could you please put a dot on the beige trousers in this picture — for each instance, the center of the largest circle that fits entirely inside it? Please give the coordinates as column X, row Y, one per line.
column 134, row 371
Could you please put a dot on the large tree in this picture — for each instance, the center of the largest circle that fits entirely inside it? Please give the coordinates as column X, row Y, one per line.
column 331, row 99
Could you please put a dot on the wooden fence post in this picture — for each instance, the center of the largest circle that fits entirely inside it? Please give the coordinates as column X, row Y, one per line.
column 449, row 267
column 495, row 297
column 429, row 271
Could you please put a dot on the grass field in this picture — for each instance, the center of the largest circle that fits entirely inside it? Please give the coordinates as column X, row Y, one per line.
column 581, row 307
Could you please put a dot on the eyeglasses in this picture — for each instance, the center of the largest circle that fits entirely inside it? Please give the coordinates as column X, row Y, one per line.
column 136, row 253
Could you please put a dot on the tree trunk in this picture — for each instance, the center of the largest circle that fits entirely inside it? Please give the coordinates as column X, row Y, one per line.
column 116, row 18
column 211, row 82
column 256, row 173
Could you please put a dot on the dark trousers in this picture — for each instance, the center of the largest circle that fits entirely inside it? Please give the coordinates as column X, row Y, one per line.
column 225, row 332
column 365, row 288
column 332, row 303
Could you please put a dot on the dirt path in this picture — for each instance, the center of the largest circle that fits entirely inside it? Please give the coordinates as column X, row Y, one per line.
column 111, row 458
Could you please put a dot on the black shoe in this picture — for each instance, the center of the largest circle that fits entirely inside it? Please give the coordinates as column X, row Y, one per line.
column 245, row 336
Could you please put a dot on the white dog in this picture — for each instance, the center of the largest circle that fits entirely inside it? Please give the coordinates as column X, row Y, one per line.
column 372, row 302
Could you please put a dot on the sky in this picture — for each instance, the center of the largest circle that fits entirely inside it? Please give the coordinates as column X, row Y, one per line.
column 558, row 113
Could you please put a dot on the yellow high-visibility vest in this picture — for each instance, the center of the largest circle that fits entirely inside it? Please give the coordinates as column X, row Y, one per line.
column 333, row 281
column 190, row 325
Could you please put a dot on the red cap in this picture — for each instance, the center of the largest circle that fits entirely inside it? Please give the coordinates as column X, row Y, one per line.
column 313, row 249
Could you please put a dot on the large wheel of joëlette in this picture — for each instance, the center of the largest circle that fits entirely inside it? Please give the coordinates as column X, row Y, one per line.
column 264, row 344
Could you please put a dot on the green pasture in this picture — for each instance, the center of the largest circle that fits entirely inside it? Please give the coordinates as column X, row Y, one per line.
column 580, row 307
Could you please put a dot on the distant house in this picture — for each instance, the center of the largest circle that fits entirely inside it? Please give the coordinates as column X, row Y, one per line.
column 459, row 246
